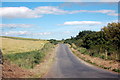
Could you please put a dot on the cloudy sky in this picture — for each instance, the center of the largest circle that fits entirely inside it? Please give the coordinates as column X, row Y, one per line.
column 54, row 20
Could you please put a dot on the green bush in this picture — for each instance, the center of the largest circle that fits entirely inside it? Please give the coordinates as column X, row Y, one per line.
column 116, row 70
column 82, row 50
column 106, row 41
column 53, row 41
column 102, row 57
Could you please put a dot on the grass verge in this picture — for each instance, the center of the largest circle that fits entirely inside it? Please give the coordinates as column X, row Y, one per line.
column 82, row 53
column 28, row 59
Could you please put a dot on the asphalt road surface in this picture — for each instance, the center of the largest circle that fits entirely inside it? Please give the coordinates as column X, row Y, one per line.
column 67, row 65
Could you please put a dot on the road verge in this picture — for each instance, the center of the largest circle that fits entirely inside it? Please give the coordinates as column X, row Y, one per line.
column 35, row 67
column 110, row 65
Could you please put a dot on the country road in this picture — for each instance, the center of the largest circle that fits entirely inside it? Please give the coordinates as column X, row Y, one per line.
column 67, row 65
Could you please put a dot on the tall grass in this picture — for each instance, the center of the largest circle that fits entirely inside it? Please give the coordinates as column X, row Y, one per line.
column 29, row 59
column 90, row 52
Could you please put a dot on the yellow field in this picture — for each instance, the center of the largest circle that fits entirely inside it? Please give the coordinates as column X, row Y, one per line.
column 9, row 46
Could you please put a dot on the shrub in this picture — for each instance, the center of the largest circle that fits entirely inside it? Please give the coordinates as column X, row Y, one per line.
column 116, row 70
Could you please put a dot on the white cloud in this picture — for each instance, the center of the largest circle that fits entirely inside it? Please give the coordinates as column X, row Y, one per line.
column 18, row 12
column 103, row 11
column 49, row 10
column 108, row 12
column 66, row 32
column 111, row 21
column 17, row 33
column 15, row 25
column 114, row 14
column 82, row 23
column 42, row 33
column 25, row 12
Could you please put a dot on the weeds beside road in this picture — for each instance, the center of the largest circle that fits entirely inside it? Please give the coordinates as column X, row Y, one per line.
column 111, row 65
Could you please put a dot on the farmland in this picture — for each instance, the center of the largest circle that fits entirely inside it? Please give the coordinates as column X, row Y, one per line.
column 10, row 45
column 24, row 52
column 22, row 55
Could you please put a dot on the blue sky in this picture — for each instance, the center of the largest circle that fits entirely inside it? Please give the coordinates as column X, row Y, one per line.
column 59, row 0
column 54, row 20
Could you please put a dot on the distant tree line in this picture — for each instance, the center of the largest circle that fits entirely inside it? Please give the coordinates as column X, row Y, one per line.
column 104, row 43
column 54, row 41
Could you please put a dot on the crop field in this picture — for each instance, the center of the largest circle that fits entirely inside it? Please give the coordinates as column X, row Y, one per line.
column 20, row 45
column 24, row 52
